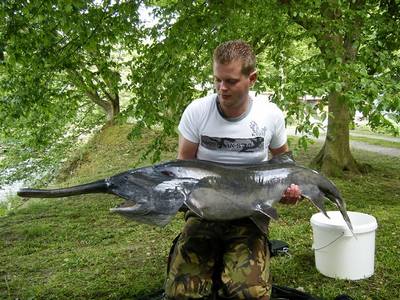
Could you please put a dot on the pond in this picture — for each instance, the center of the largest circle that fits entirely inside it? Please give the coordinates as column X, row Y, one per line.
column 9, row 190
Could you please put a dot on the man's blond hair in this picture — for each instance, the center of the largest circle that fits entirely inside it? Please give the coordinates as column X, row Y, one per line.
column 236, row 50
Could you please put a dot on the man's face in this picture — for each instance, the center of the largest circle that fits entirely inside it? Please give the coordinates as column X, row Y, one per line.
column 231, row 84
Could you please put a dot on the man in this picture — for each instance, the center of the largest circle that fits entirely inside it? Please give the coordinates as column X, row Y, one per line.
column 228, row 259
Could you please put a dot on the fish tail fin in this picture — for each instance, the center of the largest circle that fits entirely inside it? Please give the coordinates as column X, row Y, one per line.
column 317, row 197
column 338, row 201
column 313, row 194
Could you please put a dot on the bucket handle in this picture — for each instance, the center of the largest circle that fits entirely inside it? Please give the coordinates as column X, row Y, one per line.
column 330, row 243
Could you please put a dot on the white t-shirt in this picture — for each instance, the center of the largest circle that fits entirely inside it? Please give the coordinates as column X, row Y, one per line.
column 236, row 140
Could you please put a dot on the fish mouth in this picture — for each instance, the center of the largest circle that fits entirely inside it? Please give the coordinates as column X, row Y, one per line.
column 125, row 204
column 132, row 208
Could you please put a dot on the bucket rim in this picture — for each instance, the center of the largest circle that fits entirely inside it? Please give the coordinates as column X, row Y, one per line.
column 321, row 221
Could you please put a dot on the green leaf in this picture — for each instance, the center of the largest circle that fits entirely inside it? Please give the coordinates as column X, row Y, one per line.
column 315, row 132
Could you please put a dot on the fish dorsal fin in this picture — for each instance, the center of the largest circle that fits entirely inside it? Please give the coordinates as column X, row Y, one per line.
column 286, row 157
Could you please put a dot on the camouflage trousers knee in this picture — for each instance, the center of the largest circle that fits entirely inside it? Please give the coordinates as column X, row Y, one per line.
column 219, row 260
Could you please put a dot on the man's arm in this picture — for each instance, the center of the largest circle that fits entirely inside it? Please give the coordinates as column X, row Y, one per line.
column 186, row 148
column 280, row 150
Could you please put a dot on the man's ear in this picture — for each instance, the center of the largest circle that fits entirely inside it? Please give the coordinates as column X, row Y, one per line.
column 253, row 77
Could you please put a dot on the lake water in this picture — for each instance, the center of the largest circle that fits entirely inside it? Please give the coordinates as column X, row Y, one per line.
column 9, row 190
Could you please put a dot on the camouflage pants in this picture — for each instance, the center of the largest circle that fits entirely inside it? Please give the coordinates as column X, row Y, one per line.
column 228, row 260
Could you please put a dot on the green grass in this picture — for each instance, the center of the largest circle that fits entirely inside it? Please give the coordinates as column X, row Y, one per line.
column 74, row 248
column 367, row 130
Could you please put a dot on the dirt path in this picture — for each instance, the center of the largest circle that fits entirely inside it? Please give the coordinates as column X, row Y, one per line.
column 362, row 145
column 375, row 148
column 376, row 136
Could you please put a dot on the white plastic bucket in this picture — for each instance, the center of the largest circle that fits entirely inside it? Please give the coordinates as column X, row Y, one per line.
column 339, row 254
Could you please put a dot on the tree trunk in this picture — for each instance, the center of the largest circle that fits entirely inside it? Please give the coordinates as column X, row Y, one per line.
column 109, row 103
column 115, row 104
column 111, row 106
column 335, row 156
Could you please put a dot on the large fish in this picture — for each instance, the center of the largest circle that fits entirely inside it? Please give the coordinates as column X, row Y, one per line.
column 213, row 191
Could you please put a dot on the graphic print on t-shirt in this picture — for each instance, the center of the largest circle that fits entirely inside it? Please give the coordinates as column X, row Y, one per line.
column 256, row 130
column 254, row 144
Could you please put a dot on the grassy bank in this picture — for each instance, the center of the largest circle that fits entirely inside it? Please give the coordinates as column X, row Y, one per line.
column 74, row 248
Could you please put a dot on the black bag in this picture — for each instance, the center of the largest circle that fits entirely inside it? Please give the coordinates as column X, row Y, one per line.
column 277, row 247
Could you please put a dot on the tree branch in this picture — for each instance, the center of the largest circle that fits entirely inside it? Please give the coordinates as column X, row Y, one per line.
column 91, row 92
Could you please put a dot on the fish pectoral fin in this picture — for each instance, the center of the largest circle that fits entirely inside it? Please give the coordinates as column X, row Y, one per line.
column 192, row 203
column 193, row 208
column 267, row 210
column 312, row 193
column 205, row 189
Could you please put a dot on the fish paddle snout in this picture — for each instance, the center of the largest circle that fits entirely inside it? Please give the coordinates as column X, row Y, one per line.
column 36, row 193
column 23, row 192
column 26, row 193
column 99, row 186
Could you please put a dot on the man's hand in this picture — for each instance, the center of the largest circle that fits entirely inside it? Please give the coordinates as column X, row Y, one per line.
column 291, row 195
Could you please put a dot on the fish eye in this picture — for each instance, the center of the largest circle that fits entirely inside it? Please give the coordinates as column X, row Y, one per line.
column 168, row 173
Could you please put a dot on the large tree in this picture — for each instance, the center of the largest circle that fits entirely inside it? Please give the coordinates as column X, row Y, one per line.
column 84, row 41
column 63, row 67
column 356, row 67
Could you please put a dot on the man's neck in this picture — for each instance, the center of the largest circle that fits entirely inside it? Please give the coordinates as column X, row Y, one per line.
column 234, row 111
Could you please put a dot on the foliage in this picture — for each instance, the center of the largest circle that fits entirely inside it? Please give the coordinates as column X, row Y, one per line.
column 341, row 31
column 321, row 48
column 61, row 59
column 62, row 73
column 365, row 77
column 74, row 248
column 176, row 65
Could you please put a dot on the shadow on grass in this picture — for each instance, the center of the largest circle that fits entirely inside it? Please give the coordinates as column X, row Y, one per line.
column 155, row 295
